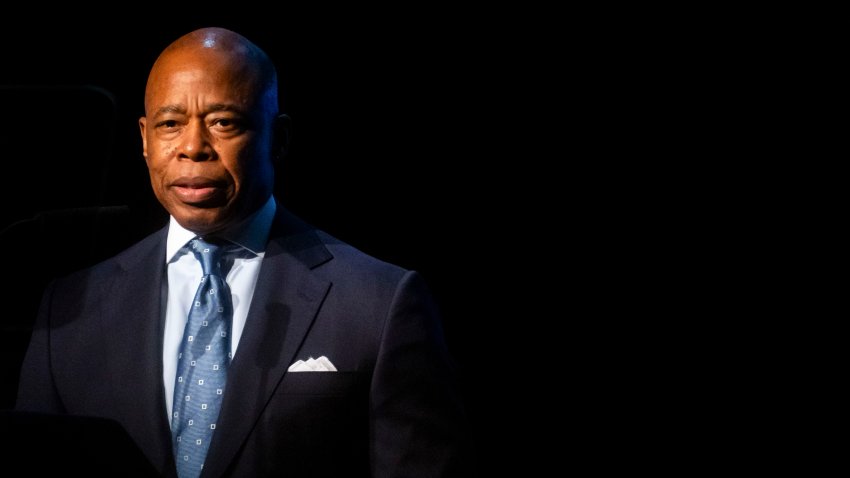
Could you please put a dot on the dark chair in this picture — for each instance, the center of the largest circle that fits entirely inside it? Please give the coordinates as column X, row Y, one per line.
column 56, row 147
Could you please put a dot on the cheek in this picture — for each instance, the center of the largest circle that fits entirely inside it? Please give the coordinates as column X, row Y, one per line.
column 158, row 155
column 240, row 161
column 161, row 150
column 157, row 167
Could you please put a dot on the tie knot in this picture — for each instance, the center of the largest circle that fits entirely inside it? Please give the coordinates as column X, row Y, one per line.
column 209, row 254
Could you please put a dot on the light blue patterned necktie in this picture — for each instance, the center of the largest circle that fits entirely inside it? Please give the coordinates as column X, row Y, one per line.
column 202, row 362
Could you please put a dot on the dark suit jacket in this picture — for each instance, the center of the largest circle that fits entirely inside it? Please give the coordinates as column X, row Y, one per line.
column 392, row 409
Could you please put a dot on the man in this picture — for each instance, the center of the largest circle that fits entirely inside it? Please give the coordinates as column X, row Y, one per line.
column 118, row 339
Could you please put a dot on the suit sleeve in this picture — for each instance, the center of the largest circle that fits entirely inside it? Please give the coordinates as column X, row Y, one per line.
column 418, row 423
column 36, row 391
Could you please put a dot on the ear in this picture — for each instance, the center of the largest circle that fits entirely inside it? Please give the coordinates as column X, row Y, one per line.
column 282, row 136
column 142, row 125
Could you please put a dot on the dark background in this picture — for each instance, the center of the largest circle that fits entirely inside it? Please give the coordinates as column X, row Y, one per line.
column 405, row 145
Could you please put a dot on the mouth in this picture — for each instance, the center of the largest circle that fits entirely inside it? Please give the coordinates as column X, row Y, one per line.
column 198, row 191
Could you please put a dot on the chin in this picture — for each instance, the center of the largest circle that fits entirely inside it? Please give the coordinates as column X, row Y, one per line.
column 204, row 222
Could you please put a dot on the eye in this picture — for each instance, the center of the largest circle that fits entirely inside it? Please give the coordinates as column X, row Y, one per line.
column 227, row 125
column 167, row 124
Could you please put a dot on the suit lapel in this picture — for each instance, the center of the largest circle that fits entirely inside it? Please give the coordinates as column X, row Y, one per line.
column 133, row 319
column 286, row 300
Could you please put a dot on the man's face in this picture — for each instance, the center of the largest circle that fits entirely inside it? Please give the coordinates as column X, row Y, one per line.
column 207, row 139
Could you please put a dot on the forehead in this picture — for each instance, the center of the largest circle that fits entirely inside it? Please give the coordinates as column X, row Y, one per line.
column 206, row 76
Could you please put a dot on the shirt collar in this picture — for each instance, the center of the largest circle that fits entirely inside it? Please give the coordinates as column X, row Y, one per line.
column 252, row 233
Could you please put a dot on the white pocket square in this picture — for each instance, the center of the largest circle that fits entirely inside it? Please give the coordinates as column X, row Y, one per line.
column 321, row 364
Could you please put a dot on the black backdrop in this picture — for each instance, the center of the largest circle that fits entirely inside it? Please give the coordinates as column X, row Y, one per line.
column 547, row 172
column 403, row 146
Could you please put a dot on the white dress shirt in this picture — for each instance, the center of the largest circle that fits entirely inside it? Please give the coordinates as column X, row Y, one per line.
column 184, row 275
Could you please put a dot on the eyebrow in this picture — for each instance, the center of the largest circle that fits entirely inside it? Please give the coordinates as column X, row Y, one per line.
column 178, row 109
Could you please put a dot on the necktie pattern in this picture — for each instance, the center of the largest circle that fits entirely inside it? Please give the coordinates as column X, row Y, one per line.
column 202, row 362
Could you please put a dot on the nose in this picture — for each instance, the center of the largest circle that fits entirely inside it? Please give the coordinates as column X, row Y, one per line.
column 196, row 143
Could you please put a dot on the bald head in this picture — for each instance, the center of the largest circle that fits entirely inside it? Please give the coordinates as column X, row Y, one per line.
column 211, row 132
column 219, row 50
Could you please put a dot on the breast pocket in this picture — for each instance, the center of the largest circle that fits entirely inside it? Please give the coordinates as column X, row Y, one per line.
column 328, row 384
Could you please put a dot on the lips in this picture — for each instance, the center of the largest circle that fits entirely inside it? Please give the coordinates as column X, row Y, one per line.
column 199, row 191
